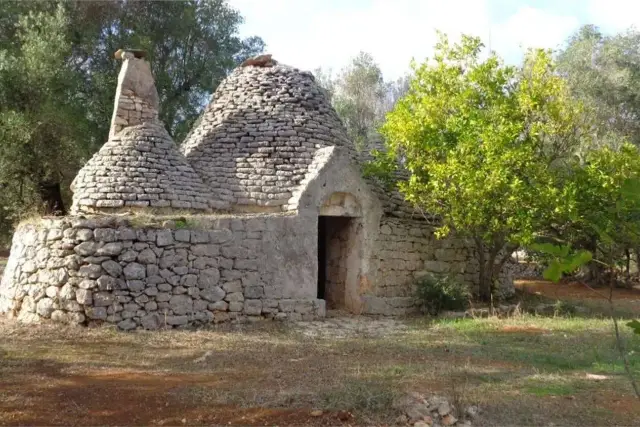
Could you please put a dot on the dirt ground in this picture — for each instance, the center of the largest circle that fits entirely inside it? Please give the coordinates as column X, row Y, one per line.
column 626, row 301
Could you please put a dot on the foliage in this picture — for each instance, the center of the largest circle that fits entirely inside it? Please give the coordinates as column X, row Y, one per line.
column 42, row 120
column 58, row 76
column 561, row 259
column 482, row 142
column 442, row 292
column 604, row 214
column 604, row 72
column 358, row 98
column 362, row 97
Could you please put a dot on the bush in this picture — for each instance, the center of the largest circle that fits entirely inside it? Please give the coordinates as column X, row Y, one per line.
column 437, row 292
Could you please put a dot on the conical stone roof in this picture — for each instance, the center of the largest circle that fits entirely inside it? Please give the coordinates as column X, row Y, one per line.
column 256, row 139
column 139, row 167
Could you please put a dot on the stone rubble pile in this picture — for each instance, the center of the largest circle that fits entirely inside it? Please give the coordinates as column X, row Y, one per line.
column 434, row 411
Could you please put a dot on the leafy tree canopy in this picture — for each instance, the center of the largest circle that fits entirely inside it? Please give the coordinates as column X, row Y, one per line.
column 481, row 142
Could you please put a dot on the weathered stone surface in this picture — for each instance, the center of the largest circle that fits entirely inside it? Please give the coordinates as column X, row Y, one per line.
column 110, row 249
column 208, row 278
column 127, row 325
column 103, row 299
column 181, row 304
column 84, row 297
column 253, row 307
column 87, row 248
column 147, row 256
column 152, row 321
column 45, row 307
column 96, row 313
column 212, row 294
column 112, row 268
column 134, row 271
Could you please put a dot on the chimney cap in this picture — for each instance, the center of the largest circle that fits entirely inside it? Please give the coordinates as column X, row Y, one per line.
column 137, row 53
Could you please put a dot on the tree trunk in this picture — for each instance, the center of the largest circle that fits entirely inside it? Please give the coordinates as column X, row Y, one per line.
column 484, row 275
column 627, row 273
column 51, row 197
column 596, row 271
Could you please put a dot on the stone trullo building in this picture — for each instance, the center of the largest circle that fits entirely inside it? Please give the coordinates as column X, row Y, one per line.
column 262, row 212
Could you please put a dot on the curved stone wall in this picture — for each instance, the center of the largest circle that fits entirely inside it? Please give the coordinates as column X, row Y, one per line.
column 107, row 270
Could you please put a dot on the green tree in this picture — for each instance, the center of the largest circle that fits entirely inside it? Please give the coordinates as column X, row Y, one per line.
column 481, row 143
column 359, row 97
column 42, row 124
column 604, row 72
column 604, row 218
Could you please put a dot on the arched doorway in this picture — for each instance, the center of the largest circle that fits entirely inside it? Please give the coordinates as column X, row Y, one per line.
column 339, row 251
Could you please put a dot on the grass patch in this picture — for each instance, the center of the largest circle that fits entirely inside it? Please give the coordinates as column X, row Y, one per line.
column 542, row 390
column 366, row 397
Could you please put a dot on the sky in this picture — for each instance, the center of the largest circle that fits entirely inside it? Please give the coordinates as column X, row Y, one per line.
column 308, row 34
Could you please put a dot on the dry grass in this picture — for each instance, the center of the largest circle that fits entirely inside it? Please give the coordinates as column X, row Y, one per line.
column 100, row 376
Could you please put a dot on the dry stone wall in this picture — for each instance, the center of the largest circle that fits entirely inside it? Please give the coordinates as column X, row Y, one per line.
column 406, row 250
column 105, row 270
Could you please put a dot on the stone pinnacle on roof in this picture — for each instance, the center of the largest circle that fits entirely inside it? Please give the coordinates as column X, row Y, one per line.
column 257, row 137
column 136, row 99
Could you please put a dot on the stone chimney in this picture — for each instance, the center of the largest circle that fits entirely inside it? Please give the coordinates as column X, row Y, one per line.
column 136, row 95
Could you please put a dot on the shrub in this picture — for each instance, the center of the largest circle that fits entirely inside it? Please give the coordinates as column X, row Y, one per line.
column 437, row 292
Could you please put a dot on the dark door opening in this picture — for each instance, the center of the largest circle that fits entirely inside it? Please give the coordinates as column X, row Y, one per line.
column 322, row 255
column 333, row 251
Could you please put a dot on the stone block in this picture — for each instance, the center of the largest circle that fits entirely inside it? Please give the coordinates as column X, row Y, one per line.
column 45, row 307
column 219, row 305
column 135, row 285
column 199, row 236
column 220, row 236
column 236, row 306
column 127, row 325
column 286, row 305
column 147, row 256
column 135, row 271
column 253, row 307
column 84, row 297
column 112, row 268
column 208, row 278
column 232, row 286
column 152, row 321
column 104, row 235
column 234, row 297
column 87, row 248
column 177, row 320
column 164, row 238
column 254, row 292
column 181, row 304
column 110, row 249
column 107, row 283
column 96, row 313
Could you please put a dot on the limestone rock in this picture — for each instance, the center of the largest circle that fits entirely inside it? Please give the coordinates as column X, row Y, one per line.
column 45, row 307
column 135, row 271
column 181, row 304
